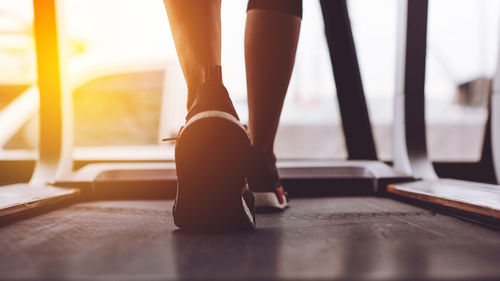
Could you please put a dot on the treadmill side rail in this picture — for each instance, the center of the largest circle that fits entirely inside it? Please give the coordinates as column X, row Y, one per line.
column 478, row 198
column 22, row 197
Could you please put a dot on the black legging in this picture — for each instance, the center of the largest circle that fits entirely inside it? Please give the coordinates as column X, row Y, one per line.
column 293, row 7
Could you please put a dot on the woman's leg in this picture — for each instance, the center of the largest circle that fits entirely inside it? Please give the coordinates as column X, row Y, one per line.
column 271, row 38
column 196, row 29
column 212, row 150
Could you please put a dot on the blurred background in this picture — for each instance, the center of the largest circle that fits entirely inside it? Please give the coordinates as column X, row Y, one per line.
column 128, row 90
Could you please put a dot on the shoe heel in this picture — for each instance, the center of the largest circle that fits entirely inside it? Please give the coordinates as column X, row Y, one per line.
column 212, row 155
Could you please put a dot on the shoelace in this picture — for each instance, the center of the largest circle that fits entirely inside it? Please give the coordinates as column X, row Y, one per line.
column 174, row 138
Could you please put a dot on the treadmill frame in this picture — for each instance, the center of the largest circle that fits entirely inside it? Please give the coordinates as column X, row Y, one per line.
column 410, row 149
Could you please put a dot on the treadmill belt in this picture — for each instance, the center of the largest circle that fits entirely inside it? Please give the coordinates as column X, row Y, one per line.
column 354, row 238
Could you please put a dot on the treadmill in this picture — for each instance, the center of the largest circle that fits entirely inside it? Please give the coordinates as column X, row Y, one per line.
column 113, row 220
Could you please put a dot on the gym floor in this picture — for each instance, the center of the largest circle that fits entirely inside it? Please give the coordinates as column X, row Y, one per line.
column 343, row 238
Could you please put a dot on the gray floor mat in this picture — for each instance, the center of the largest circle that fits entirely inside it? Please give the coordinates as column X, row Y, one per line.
column 360, row 238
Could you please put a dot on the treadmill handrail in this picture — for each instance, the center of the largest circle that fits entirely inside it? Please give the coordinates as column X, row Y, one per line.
column 55, row 127
column 409, row 134
column 356, row 123
column 495, row 120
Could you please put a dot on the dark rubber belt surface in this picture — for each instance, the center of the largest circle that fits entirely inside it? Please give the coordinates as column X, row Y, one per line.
column 331, row 238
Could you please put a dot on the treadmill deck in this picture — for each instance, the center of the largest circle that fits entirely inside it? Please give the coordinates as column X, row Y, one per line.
column 350, row 238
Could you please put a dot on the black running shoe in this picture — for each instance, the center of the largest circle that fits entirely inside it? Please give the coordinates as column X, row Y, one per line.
column 265, row 183
column 211, row 156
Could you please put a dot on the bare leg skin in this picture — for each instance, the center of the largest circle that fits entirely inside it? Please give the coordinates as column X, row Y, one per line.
column 270, row 44
column 196, row 29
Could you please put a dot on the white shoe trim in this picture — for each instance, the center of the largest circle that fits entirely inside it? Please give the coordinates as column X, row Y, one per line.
column 214, row 114
column 269, row 200
column 245, row 207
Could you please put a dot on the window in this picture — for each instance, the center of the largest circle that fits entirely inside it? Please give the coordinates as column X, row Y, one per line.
column 108, row 113
column 374, row 30
column 461, row 61
column 129, row 91
column 18, row 105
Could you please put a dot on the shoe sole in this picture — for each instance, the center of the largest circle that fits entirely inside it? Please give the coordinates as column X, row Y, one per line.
column 211, row 156
column 268, row 202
